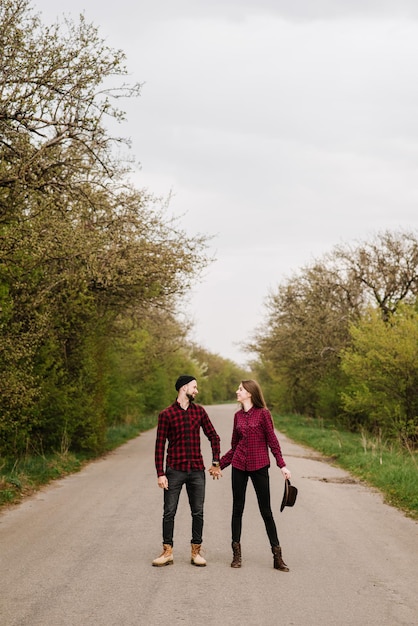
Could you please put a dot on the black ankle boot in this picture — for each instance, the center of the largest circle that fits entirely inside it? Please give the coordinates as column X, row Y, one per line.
column 278, row 562
column 236, row 551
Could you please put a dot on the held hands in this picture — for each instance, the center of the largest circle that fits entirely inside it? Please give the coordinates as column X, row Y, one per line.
column 215, row 472
column 286, row 473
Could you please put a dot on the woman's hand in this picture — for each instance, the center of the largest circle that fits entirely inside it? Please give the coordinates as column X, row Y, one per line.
column 286, row 473
column 215, row 472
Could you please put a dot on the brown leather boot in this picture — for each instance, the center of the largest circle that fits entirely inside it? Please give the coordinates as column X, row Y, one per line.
column 166, row 558
column 236, row 551
column 278, row 562
column 196, row 558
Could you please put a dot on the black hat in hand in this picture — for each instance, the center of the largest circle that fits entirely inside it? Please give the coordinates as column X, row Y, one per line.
column 289, row 495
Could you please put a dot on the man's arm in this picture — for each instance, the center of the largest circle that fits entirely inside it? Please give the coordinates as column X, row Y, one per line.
column 160, row 442
column 212, row 435
column 215, row 442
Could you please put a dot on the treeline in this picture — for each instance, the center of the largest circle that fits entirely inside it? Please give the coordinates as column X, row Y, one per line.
column 92, row 270
column 340, row 339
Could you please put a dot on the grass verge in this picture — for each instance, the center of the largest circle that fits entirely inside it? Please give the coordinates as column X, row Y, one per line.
column 382, row 464
column 22, row 477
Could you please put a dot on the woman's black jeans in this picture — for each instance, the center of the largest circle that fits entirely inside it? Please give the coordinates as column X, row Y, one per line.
column 195, row 487
column 261, row 482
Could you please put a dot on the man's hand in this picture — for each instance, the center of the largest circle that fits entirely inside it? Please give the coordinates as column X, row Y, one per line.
column 215, row 472
column 163, row 482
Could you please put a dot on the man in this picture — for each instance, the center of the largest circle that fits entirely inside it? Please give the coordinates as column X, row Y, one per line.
column 180, row 425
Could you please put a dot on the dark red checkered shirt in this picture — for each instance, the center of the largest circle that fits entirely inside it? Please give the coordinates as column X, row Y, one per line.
column 181, row 428
column 252, row 436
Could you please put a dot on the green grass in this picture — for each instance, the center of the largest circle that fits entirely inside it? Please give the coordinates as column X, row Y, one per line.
column 22, row 477
column 382, row 464
column 120, row 433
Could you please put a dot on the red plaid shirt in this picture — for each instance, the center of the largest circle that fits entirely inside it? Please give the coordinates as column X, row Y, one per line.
column 181, row 428
column 253, row 434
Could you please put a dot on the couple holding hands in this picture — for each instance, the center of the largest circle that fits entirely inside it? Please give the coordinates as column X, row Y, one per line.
column 252, row 437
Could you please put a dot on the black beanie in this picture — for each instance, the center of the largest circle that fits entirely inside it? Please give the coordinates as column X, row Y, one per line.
column 183, row 380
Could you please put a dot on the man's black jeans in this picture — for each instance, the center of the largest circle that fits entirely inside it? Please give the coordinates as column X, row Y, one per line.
column 195, row 487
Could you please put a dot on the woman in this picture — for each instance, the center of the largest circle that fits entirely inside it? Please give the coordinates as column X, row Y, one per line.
column 253, row 434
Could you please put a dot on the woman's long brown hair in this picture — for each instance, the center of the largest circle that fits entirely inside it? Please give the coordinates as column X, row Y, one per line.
column 254, row 389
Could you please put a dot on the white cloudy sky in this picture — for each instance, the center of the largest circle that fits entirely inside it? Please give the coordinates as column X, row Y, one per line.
column 282, row 127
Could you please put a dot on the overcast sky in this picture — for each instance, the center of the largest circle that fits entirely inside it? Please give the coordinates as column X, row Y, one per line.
column 281, row 127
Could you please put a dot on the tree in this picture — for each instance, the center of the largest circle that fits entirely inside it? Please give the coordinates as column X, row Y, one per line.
column 309, row 315
column 144, row 359
column 299, row 344
column 386, row 268
column 381, row 366
column 80, row 248
column 52, row 111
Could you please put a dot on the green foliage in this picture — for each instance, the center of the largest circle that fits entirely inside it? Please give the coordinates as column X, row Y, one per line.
column 329, row 404
column 275, row 388
column 311, row 325
column 306, row 328
column 144, row 364
column 82, row 253
column 146, row 361
column 381, row 366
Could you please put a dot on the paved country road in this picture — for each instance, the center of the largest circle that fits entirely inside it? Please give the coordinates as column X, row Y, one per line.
column 79, row 552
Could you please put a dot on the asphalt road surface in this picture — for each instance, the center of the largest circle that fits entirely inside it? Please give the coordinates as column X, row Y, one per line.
column 79, row 552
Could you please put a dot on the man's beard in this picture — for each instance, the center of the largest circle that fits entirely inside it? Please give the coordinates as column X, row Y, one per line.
column 191, row 398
